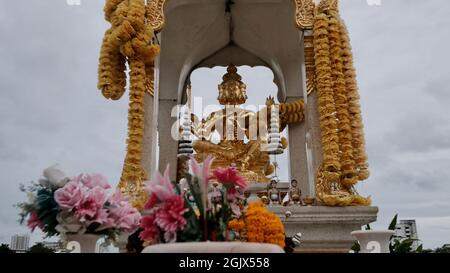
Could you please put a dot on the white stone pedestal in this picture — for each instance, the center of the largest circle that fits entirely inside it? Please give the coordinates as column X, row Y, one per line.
column 214, row 247
column 325, row 229
column 373, row 241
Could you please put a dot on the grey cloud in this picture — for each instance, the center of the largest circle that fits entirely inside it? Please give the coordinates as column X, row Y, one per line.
column 439, row 89
column 420, row 133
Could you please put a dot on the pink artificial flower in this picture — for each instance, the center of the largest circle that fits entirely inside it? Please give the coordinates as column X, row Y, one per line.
column 150, row 230
column 202, row 171
column 91, row 204
column 161, row 186
column 70, row 196
column 170, row 217
column 151, row 202
column 93, row 180
column 103, row 218
column 231, row 179
column 127, row 218
column 123, row 214
column 34, row 222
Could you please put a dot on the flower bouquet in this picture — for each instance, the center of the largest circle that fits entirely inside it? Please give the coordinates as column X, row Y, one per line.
column 201, row 207
column 81, row 205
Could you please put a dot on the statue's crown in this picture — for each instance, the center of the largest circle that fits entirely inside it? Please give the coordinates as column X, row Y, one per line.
column 232, row 91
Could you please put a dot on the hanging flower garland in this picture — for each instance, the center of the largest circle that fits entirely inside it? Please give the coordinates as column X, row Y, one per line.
column 292, row 112
column 129, row 40
column 359, row 149
column 327, row 108
column 344, row 157
column 348, row 174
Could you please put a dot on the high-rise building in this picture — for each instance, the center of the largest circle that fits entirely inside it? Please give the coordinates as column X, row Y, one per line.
column 407, row 229
column 20, row 243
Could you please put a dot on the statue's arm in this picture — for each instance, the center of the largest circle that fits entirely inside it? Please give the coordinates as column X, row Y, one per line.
column 196, row 127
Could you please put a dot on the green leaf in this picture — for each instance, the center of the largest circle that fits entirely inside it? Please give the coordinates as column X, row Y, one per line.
column 419, row 249
column 393, row 223
column 192, row 232
column 405, row 246
column 194, row 186
column 393, row 245
column 356, row 247
column 47, row 211
column 176, row 186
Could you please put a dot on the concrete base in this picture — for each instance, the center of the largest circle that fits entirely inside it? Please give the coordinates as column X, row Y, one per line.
column 214, row 247
column 325, row 229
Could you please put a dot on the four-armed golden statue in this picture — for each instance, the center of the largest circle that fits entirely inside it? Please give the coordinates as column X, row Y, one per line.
column 234, row 124
column 243, row 133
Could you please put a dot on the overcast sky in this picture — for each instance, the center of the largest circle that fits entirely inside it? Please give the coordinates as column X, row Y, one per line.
column 51, row 111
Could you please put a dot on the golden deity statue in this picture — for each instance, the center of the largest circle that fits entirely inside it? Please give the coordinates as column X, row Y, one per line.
column 241, row 139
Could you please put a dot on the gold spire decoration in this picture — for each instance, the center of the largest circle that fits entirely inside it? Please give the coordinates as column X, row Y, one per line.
column 344, row 157
column 232, row 91
column 129, row 40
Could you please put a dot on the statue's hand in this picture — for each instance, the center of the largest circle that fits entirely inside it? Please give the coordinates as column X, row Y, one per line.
column 229, row 155
column 245, row 163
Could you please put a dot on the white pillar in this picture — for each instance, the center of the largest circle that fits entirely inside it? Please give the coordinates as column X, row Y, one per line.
column 298, row 155
column 168, row 146
column 147, row 149
column 312, row 117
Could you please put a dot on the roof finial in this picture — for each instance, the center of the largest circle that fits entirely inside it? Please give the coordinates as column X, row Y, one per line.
column 232, row 91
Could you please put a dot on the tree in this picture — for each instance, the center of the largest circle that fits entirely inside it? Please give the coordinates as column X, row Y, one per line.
column 4, row 248
column 442, row 250
column 40, row 248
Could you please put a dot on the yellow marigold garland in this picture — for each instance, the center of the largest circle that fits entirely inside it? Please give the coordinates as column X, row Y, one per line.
column 292, row 112
column 129, row 40
column 348, row 174
column 344, row 157
column 259, row 225
column 359, row 149
column 327, row 108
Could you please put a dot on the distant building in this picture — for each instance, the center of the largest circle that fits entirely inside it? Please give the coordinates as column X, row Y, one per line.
column 55, row 246
column 407, row 229
column 20, row 243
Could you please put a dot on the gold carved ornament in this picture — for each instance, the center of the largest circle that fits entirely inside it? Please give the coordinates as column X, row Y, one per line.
column 129, row 40
column 310, row 65
column 304, row 18
column 304, row 14
column 155, row 14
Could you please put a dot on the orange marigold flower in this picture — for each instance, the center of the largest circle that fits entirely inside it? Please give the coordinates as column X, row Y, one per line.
column 261, row 225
